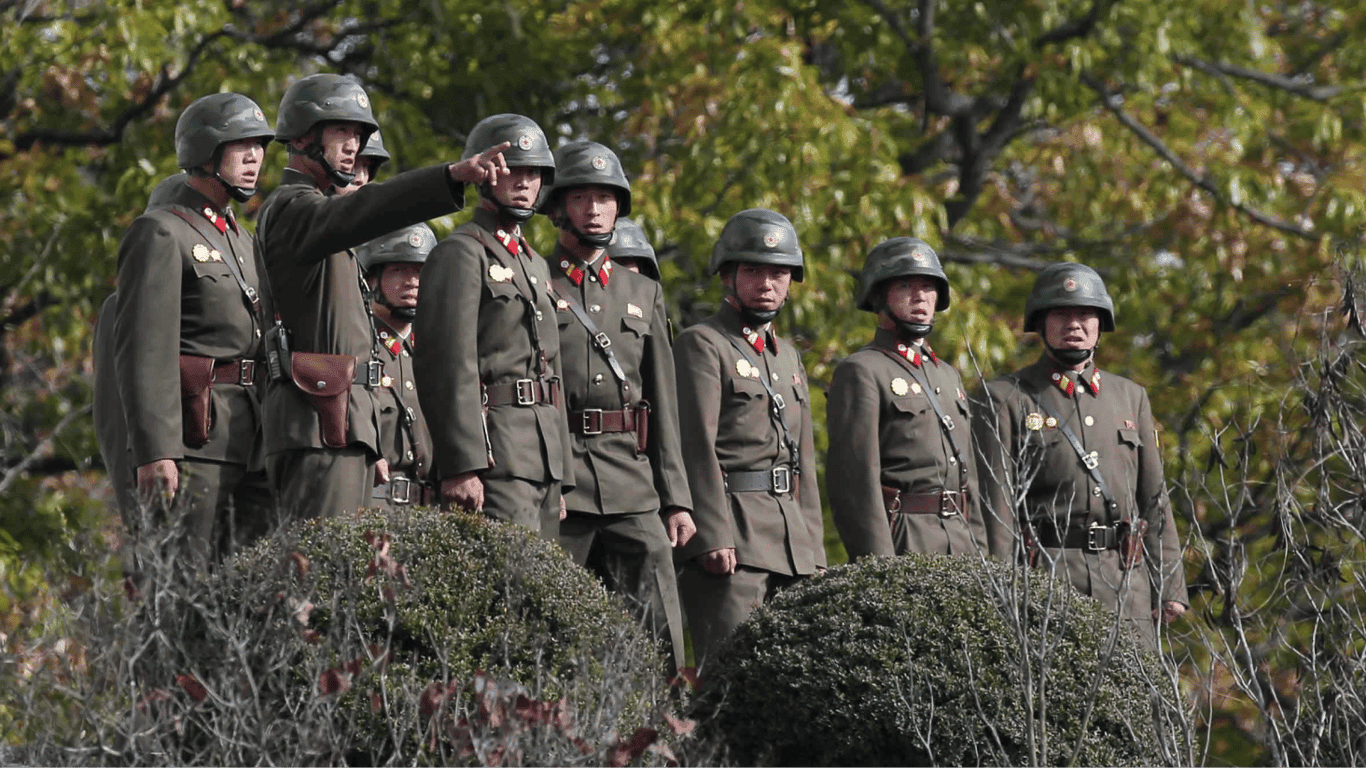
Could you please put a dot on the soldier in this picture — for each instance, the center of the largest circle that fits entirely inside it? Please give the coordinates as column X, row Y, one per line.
column 900, row 439
column 488, row 368
column 630, row 504
column 392, row 265
column 745, row 416
column 187, row 335
column 111, row 432
column 631, row 249
column 1070, row 469
column 323, row 436
column 369, row 160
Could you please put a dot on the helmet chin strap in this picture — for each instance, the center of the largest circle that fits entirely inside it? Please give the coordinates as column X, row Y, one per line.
column 598, row 240
column 905, row 329
column 402, row 313
column 751, row 315
column 505, row 212
column 1070, row 356
column 314, row 151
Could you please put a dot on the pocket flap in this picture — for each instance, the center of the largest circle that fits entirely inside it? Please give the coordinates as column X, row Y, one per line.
column 747, row 387
column 322, row 375
column 196, row 374
column 1131, row 437
column 637, row 325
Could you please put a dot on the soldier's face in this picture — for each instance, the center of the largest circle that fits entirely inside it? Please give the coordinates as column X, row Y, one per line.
column 520, row 188
column 240, row 163
column 341, row 144
column 362, row 171
column 1072, row 328
column 399, row 283
column 592, row 209
column 912, row 299
column 762, row 287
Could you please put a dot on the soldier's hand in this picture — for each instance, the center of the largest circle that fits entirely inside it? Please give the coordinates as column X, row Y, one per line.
column 680, row 526
column 158, row 481
column 564, row 511
column 719, row 562
column 1171, row 611
column 465, row 490
column 488, row 165
column 381, row 472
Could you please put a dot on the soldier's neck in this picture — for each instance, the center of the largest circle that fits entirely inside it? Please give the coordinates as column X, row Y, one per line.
column 585, row 253
column 312, row 170
column 382, row 313
column 211, row 189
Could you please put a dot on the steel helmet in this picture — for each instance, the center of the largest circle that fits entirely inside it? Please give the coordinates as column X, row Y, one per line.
column 758, row 236
column 901, row 257
column 1068, row 284
column 629, row 242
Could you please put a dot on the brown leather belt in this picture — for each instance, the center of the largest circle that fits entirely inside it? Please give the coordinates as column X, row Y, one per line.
column 942, row 503
column 522, row 392
column 1095, row 537
column 401, row 491
column 595, row 421
column 235, row 372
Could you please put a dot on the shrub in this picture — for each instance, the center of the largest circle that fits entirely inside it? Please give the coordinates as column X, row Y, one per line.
column 913, row 661
column 413, row 637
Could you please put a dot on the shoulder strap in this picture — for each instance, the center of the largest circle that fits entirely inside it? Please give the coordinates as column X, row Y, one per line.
column 252, row 297
column 776, row 404
column 601, row 341
column 946, row 424
column 1089, row 459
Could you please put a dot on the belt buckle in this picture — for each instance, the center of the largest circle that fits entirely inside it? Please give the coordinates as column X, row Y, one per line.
column 948, row 423
column 1093, row 532
column 1091, row 460
column 588, row 428
column 404, row 496
column 374, row 371
column 602, row 340
column 945, row 508
column 526, row 391
column 782, row 480
column 246, row 372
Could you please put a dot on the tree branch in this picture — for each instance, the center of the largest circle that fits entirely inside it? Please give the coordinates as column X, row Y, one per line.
column 1112, row 102
column 43, row 447
column 1073, row 28
column 1298, row 85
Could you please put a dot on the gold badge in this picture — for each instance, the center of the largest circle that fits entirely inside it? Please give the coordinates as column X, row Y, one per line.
column 634, row 311
column 1050, row 422
column 200, row 252
column 743, row 367
column 1033, row 422
column 561, row 304
column 915, row 387
column 899, row 387
column 385, row 381
column 214, row 255
column 499, row 273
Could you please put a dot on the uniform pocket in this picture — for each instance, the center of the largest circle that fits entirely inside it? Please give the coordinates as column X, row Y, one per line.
column 504, row 291
column 750, row 389
column 1131, row 438
column 910, row 405
column 637, row 325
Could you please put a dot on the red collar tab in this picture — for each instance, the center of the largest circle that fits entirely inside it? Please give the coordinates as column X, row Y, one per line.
column 760, row 340
column 912, row 354
column 1065, row 383
column 391, row 342
column 1095, row 382
column 576, row 271
column 511, row 240
column 218, row 220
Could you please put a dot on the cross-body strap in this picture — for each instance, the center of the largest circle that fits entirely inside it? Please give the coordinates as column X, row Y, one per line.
column 776, row 404
column 1089, row 459
column 946, row 424
column 527, row 293
column 249, row 293
column 601, row 341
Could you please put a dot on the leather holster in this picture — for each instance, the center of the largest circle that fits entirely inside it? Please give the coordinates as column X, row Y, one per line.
column 326, row 381
column 1131, row 542
column 642, row 426
column 196, row 399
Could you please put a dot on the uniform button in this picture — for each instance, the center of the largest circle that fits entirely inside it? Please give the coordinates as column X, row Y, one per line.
column 775, row 377
column 408, row 455
column 746, row 331
column 407, row 385
column 538, row 314
column 405, row 353
column 321, row 385
column 594, row 278
column 1095, row 491
column 258, row 333
column 532, row 278
column 595, row 308
column 597, row 379
column 1089, row 421
column 953, row 460
column 936, row 390
column 901, row 347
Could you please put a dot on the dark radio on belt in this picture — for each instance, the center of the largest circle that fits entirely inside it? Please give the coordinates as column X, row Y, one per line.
column 277, row 352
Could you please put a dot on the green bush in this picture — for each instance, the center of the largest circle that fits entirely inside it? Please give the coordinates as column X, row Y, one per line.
column 410, row 637
column 921, row 660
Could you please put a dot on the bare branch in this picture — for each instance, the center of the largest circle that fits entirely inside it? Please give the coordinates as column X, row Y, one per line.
column 1296, row 85
column 1113, row 103
column 18, row 470
column 1070, row 29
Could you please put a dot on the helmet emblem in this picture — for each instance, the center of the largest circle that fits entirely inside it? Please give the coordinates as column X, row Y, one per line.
column 257, row 114
column 918, row 256
column 362, row 101
column 1069, row 285
column 599, row 163
column 524, row 142
column 771, row 239
column 415, row 240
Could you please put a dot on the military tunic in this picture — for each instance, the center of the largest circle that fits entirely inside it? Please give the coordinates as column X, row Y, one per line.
column 404, row 440
column 725, row 427
column 614, row 523
column 1028, row 464
column 177, row 296
column 884, row 432
column 305, row 235
column 111, row 432
column 482, row 315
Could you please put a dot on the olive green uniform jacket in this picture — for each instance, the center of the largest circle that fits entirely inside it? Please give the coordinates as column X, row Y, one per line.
column 304, row 237
column 610, row 476
column 1026, row 463
column 723, row 412
column 176, row 295
column 884, row 432
column 475, row 316
column 110, row 430
column 404, row 440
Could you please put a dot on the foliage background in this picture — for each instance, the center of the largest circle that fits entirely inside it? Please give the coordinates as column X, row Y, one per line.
column 1203, row 155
